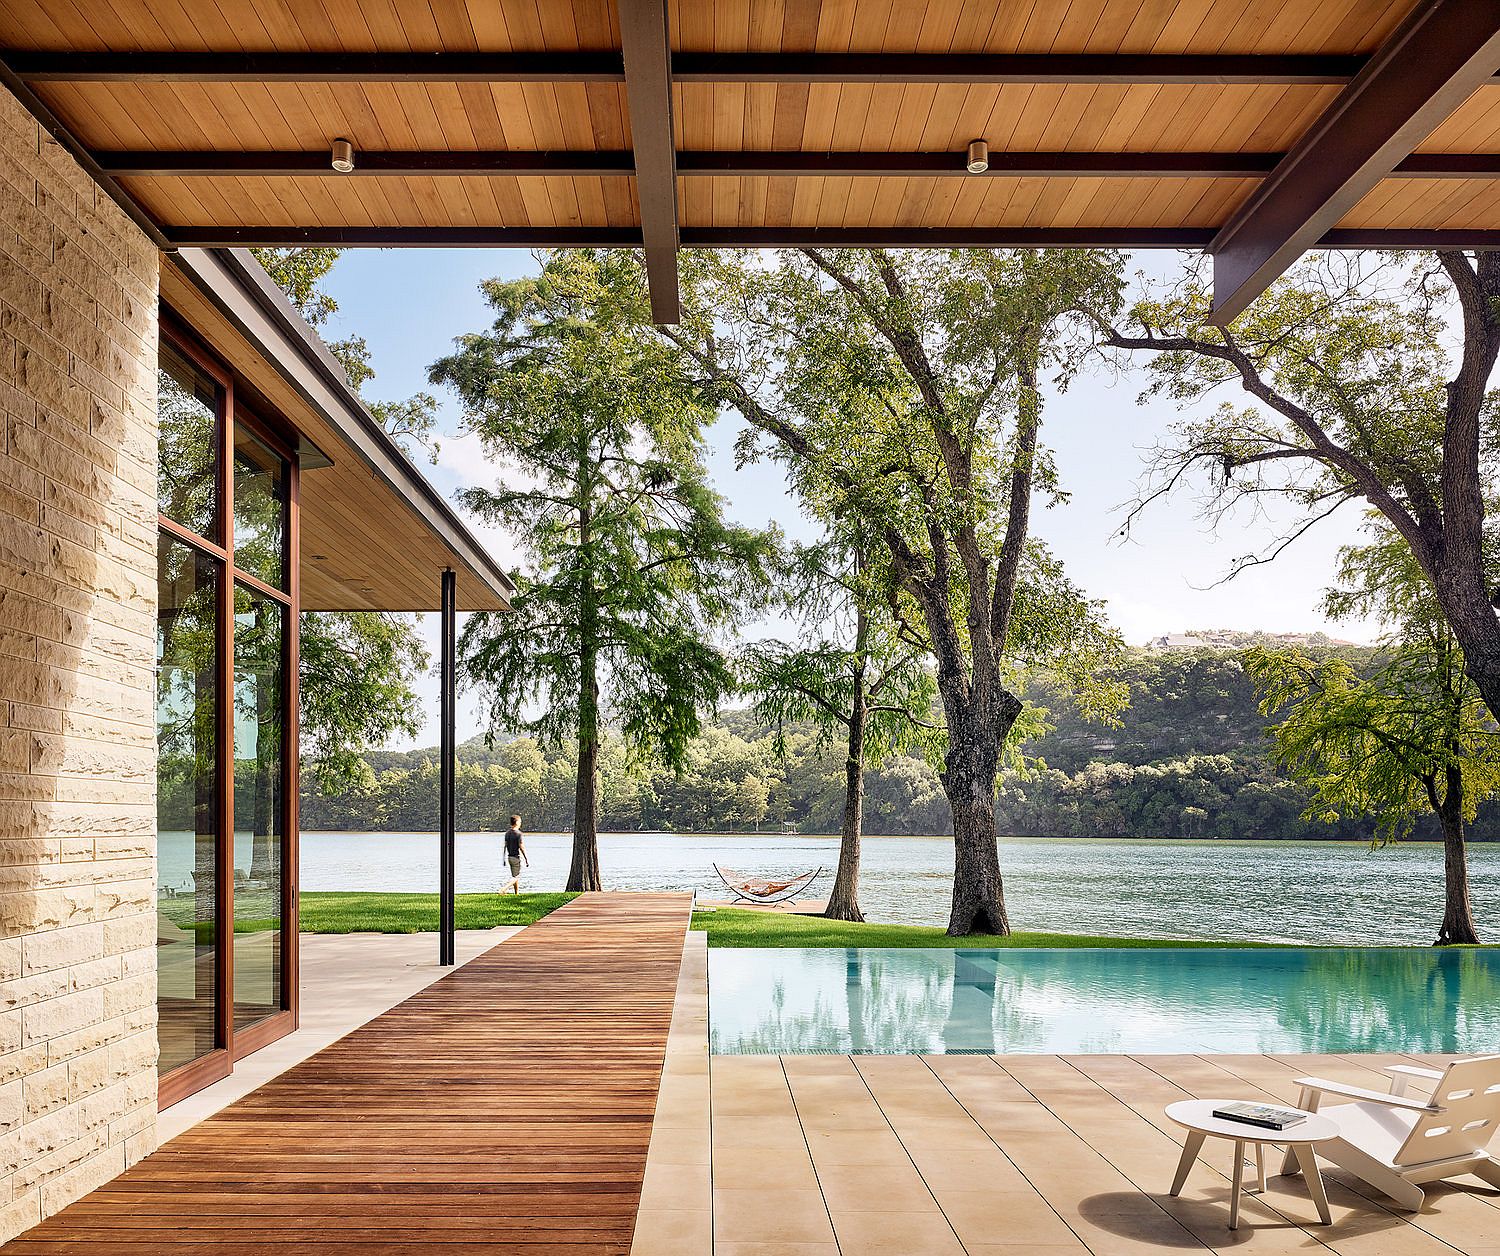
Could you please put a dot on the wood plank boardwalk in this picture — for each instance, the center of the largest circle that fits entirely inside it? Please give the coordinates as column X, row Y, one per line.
column 505, row 1108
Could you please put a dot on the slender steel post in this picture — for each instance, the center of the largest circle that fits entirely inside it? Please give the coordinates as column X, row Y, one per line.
column 446, row 756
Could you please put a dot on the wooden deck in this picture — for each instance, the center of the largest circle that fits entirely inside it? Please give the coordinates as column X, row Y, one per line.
column 506, row 1108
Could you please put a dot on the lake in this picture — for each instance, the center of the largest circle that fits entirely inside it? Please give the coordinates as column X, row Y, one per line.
column 1308, row 892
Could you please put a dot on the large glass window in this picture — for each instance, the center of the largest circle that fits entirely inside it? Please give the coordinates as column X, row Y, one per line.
column 187, row 775
column 226, row 725
column 188, row 404
column 260, row 483
column 259, row 773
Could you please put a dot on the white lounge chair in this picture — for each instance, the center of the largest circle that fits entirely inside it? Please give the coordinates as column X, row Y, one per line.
column 1396, row 1141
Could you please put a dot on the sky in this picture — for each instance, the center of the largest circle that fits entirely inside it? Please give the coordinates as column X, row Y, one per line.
column 1168, row 576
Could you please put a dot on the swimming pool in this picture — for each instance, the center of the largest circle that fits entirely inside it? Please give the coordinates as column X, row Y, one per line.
column 886, row 1002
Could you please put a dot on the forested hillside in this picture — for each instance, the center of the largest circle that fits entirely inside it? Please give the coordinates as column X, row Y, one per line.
column 1187, row 759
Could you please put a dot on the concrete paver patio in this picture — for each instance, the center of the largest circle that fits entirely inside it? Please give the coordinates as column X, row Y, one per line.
column 1000, row 1156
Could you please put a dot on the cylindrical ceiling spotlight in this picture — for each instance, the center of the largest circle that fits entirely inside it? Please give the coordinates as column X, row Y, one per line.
column 343, row 156
column 979, row 156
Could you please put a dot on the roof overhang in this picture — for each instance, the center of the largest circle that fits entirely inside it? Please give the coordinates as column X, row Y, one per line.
column 1253, row 132
column 375, row 534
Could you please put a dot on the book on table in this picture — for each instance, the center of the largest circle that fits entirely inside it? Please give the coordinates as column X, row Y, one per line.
column 1260, row 1114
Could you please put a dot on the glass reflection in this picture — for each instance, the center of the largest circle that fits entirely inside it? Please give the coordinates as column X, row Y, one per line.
column 259, row 772
column 187, row 800
column 260, row 494
column 187, row 404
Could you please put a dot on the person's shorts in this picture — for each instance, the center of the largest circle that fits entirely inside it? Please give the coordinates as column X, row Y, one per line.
column 515, row 864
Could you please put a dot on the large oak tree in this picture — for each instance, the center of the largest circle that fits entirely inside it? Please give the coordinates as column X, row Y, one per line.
column 1369, row 376
column 905, row 391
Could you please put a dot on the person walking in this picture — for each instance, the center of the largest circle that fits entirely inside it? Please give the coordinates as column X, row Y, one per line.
column 515, row 853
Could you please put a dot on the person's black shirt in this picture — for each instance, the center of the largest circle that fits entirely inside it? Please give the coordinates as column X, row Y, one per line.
column 513, row 843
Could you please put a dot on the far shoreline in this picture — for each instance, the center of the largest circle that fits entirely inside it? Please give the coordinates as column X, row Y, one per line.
column 920, row 837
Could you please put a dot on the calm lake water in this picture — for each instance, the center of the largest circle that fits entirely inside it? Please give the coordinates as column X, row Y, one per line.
column 1310, row 892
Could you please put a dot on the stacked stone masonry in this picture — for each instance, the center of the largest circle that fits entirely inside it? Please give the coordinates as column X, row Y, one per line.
column 78, row 326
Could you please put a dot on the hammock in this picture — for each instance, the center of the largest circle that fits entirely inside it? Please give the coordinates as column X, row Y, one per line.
column 763, row 889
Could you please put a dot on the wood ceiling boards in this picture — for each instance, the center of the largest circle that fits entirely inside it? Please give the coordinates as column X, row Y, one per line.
column 1257, row 130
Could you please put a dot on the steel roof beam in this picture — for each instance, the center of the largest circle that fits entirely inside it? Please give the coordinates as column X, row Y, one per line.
column 1434, row 61
column 445, row 162
column 648, row 92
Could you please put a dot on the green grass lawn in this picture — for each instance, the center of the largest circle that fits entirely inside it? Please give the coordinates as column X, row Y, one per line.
column 730, row 927
column 338, row 912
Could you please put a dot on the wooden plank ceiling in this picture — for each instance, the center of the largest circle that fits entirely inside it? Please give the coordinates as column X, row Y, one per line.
column 509, row 122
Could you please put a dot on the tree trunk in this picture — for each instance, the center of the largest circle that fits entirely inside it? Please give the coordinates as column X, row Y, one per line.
column 206, row 817
column 980, row 711
column 978, row 888
column 1458, row 916
column 263, row 836
column 968, row 779
column 1468, row 609
column 843, row 901
column 584, row 873
column 265, row 830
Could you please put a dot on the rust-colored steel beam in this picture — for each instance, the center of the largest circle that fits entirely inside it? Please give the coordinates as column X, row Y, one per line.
column 1430, row 65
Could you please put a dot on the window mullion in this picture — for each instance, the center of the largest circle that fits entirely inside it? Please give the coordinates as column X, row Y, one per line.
column 225, row 951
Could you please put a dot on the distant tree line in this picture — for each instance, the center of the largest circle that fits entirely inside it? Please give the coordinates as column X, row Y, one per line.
column 1191, row 757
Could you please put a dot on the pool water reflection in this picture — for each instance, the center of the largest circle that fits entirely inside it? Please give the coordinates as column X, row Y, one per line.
column 877, row 1001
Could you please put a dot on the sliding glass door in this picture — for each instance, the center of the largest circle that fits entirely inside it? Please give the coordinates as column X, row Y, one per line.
column 226, row 725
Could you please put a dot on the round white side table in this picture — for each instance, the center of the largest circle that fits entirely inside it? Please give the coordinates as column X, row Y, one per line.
column 1197, row 1117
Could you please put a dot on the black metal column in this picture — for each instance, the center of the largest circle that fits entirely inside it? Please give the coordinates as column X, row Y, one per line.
column 446, row 764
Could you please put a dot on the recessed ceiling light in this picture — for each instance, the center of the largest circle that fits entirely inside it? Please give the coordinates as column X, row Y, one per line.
column 979, row 156
column 343, row 156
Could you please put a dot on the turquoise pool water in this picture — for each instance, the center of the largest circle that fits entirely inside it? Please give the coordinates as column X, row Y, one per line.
column 876, row 1001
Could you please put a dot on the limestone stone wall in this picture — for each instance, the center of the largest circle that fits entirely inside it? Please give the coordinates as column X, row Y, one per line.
column 78, row 325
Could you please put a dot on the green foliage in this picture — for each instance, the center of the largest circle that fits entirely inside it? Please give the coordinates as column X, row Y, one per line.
column 1395, row 743
column 298, row 273
column 1192, row 738
column 355, row 667
column 355, row 670
column 412, row 421
column 1369, row 375
column 632, row 569
column 901, row 392
column 1359, row 345
column 851, row 659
